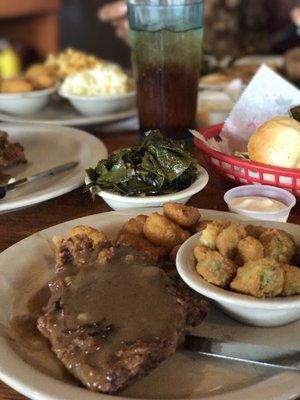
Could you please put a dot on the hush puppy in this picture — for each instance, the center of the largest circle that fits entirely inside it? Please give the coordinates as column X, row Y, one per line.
column 184, row 216
column 135, row 226
column 160, row 231
column 17, row 85
column 153, row 252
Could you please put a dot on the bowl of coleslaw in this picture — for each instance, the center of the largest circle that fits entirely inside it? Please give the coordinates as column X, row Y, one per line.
column 101, row 90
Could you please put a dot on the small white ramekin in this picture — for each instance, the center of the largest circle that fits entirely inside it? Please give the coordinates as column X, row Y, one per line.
column 99, row 105
column 271, row 192
column 250, row 310
column 118, row 202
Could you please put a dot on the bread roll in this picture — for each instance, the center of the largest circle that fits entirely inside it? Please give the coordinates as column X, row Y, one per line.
column 276, row 142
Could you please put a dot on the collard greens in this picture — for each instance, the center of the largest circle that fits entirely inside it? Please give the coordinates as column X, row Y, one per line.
column 157, row 166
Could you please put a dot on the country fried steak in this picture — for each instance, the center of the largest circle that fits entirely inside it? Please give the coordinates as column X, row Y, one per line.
column 112, row 316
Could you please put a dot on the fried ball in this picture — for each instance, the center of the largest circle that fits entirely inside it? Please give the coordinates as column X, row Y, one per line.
column 135, row 225
column 291, row 280
column 200, row 226
column 210, row 233
column 17, row 85
column 98, row 237
column 153, row 252
column 173, row 253
column 278, row 244
column 36, row 69
column 296, row 258
column 163, row 232
column 184, row 216
column 255, row 230
column 260, row 278
column 227, row 241
column 214, row 267
column 42, row 81
column 249, row 249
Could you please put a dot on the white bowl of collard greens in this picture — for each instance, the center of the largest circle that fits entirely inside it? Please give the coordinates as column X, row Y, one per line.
column 157, row 171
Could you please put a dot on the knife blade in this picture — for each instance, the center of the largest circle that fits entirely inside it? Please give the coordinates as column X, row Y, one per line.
column 259, row 355
column 49, row 172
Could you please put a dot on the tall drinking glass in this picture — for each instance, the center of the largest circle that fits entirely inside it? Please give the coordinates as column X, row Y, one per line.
column 166, row 41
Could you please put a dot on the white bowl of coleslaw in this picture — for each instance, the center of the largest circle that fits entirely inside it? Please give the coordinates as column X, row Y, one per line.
column 99, row 105
column 104, row 89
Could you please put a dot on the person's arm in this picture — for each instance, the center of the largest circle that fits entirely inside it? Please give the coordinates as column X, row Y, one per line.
column 115, row 13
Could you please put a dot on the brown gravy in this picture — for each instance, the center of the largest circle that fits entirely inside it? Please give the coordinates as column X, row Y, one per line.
column 127, row 298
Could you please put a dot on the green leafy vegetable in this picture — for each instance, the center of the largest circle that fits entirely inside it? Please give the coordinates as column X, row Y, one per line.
column 156, row 166
column 242, row 154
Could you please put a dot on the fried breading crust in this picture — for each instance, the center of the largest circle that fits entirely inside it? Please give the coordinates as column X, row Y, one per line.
column 249, row 249
column 160, row 231
column 291, row 280
column 184, row 216
column 211, row 232
column 227, row 241
column 214, row 267
column 278, row 244
column 153, row 252
column 135, row 226
column 260, row 278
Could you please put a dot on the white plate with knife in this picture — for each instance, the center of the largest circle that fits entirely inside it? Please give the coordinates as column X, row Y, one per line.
column 47, row 147
column 185, row 375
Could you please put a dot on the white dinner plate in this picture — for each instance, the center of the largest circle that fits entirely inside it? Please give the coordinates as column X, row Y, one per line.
column 28, row 265
column 46, row 147
column 60, row 112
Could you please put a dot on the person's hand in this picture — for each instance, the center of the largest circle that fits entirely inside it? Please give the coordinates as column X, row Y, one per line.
column 116, row 14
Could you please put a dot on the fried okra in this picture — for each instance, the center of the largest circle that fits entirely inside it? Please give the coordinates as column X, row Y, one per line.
column 210, row 233
column 214, row 267
column 229, row 238
column 260, row 278
column 184, row 216
column 249, row 249
column 278, row 245
column 291, row 280
column 255, row 230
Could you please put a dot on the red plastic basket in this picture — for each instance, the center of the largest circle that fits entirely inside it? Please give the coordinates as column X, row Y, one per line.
column 247, row 172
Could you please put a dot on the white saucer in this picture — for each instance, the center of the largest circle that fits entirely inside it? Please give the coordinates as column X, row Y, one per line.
column 60, row 112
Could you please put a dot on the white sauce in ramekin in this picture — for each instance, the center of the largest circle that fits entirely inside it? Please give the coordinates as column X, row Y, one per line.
column 256, row 203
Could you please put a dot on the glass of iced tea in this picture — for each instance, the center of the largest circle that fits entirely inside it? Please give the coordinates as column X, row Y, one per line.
column 166, row 42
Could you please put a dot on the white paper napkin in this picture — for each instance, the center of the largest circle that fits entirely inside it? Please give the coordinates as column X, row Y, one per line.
column 268, row 95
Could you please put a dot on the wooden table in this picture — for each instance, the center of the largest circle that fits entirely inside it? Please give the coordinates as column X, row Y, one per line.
column 19, row 224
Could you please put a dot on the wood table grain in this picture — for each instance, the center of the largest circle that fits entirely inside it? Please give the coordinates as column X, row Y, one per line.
column 17, row 225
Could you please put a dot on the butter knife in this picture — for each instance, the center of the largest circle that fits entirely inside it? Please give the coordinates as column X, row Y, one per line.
column 257, row 355
column 49, row 172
